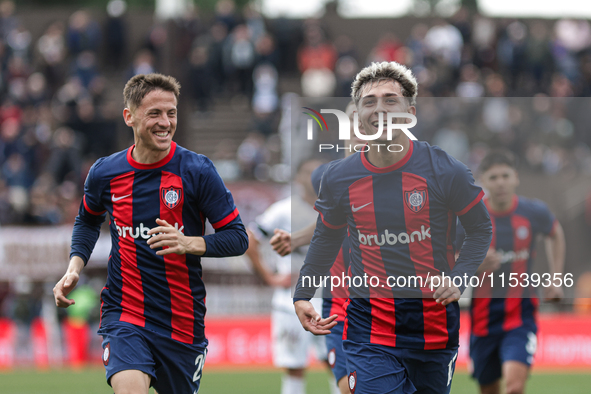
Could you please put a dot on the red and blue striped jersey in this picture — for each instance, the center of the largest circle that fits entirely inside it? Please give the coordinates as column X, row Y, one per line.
column 401, row 221
column 499, row 308
column 163, row 293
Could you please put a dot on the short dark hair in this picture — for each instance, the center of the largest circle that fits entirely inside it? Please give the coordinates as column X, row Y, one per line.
column 140, row 85
column 496, row 157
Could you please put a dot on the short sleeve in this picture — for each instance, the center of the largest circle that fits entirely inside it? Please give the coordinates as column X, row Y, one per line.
column 543, row 218
column 327, row 205
column 92, row 192
column 461, row 192
column 215, row 200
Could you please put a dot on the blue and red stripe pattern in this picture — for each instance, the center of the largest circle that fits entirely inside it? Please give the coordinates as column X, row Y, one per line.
column 401, row 222
column 501, row 309
column 163, row 293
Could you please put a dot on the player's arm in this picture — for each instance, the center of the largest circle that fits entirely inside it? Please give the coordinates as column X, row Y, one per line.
column 465, row 199
column 87, row 228
column 284, row 242
column 555, row 244
column 328, row 235
column 253, row 253
column 67, row 283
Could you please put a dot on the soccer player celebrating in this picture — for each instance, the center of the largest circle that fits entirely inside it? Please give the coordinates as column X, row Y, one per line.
column 503, row 334
column 158, row 196
column 400, row 207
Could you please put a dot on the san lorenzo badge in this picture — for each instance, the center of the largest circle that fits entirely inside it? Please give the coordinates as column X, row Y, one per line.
column 107, row 354
column 416, row 199
column 352, row 381
column 171, row 196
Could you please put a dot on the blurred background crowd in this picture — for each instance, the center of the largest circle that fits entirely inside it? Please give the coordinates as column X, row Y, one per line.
column 60, row 86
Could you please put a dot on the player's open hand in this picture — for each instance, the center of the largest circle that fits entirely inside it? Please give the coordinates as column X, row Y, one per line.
column 281, row 242
column 311, row 320
column 445, row 293
column 168, row 238
column 63, row 288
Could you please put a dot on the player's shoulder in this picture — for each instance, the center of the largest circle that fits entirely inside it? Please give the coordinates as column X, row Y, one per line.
column 192, row 159
column 532, row 205
column 106, row 165
column 442, row 162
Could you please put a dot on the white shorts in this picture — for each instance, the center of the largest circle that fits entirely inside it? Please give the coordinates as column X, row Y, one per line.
column 291, row 343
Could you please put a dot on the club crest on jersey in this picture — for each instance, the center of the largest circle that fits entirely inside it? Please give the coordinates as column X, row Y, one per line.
column 415, row 199
column 352, row 381
column 171, row 196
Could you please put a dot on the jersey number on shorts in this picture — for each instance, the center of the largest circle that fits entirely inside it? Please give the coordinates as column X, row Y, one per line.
column 199, row 361
column 450, row 369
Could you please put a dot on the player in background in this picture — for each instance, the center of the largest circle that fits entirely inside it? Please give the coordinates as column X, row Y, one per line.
column 400, row 207
column 158, row 196
column 291, row 344
column 332, row 303
column 503, row 319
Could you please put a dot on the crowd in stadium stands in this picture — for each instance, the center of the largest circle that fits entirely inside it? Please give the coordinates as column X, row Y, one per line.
column 55, row 119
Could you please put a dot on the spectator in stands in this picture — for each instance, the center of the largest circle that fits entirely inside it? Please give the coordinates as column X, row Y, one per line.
column 116, row 33
column 83, row 33
column 240, row 59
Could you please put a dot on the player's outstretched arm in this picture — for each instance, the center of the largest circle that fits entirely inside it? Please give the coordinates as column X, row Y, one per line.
column 311, row 320
column 167, row 236
column 555, row 252
column 67, row 283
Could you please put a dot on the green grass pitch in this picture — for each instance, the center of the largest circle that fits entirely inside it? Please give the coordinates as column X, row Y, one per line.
column 92, row 381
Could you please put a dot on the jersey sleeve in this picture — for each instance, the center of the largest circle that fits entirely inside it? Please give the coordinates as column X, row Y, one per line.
column 459, row 188
column 543, row 219
column 327, row 205
column 91, row 201
column 215, row 200
column 317, row 177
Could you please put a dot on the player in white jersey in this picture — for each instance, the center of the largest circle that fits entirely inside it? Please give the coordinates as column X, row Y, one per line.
column 291, row 344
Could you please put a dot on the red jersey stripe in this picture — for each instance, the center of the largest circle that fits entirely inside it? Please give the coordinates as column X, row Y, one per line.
column 90, row 210
column 469, row 206
column 521, row 227
column 421, row 254
column 225, row 220
column 339, row 294
column 177, row 272
column 481, row 297
column 132, row 292
column 383, row 332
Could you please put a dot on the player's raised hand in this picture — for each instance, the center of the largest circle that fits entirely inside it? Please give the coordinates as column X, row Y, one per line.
column 311, row 320
column 281, row 242
column 172, row 240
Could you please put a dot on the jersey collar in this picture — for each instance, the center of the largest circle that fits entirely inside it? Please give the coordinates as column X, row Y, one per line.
column 506, row 212
column 393, row 167
column 159, row 163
